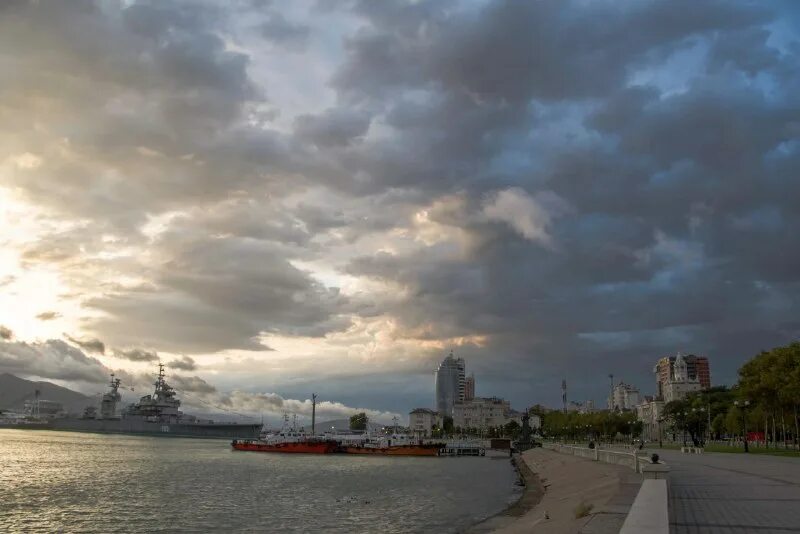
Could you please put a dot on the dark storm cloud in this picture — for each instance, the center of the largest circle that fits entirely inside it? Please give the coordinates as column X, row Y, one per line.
column 335, row 127
column 50, row 359
column 561, row 196
column 667, row 246
column 191, row 384
column 90, row 344
column 515, row 51
column 184, row 363
column 5, row 332
column 136, row 355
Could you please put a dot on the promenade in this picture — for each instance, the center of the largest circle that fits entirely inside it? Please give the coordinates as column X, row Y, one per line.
column 733, row 493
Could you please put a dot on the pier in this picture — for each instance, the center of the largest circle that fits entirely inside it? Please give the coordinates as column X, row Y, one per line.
column 462, row 450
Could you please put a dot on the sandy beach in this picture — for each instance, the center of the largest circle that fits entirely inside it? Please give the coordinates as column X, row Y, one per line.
column 565, row 495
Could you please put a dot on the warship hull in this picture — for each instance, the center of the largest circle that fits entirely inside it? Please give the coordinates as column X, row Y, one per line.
column 141, row 426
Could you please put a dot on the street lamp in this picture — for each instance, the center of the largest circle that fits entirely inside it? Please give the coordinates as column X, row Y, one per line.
column 660, row 439
column 743, row 406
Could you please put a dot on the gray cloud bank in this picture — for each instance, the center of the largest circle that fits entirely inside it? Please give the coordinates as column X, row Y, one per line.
column 582, row 197
column 55, row 359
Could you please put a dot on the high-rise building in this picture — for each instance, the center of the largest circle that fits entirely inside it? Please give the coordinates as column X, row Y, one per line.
column 469, row 387
column 450, row 384
column 697, row 369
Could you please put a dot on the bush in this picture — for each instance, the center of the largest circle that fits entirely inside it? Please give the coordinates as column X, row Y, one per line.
column 583, row 509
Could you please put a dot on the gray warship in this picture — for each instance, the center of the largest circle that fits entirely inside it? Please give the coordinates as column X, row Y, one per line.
column 156, row 414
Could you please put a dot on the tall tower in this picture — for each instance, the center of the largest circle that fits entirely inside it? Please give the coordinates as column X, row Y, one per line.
column 564, row 394
column 450, row 384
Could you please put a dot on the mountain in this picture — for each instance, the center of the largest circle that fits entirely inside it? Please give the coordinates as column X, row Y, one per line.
column 14, row 391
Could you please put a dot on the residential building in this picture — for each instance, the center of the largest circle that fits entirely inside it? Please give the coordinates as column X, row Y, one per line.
column 623, row 397
column 482, row 412
column 450, row 384
column 421, row 421
column 697, row 368
column 681, row 382
column 469, row 387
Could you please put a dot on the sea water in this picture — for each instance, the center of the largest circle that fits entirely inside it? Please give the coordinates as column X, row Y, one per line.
column 75, row 482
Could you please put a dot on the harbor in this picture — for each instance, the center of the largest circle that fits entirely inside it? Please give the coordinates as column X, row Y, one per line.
column 200, row 485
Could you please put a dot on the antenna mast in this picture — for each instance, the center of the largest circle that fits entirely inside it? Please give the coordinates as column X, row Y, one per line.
column 313, row 414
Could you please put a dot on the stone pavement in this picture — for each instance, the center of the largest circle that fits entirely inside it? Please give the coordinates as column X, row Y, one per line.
column 723, row 493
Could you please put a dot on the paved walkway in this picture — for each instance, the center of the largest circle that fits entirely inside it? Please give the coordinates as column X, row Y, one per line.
column 723, row 493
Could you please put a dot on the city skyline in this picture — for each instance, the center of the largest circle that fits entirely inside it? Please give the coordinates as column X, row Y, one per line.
column 276, row 200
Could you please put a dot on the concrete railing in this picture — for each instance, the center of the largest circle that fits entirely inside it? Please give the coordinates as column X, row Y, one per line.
column 629, row 459
column 649, row 512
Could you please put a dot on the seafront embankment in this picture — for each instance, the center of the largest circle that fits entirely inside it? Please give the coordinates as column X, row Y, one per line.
column 567, row 494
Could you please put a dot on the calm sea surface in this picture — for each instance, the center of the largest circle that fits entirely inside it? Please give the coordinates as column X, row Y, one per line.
column 72, row 482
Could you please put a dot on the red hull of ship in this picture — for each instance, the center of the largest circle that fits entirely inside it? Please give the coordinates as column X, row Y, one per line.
column 307, row 447
column 397, row 450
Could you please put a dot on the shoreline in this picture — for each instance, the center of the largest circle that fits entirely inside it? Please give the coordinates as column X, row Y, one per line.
column 531, row 495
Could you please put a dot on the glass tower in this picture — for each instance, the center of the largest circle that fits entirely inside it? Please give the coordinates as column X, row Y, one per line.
column 450, row 384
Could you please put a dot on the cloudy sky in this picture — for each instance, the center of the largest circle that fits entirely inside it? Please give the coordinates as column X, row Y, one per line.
column 285, row 197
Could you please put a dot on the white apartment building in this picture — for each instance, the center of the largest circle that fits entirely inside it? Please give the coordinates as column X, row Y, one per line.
column 680, row 384
column 481, row 412
column 623, row 397
column 421, row 420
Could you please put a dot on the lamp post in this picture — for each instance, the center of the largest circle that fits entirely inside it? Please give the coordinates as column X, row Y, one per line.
column 743, row 406
column 660, row 439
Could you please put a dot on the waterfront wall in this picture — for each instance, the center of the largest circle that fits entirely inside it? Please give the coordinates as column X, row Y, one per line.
column 629, row 459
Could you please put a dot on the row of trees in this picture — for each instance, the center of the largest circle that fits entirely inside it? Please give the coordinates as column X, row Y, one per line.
column 603, row 425
column 766, row 400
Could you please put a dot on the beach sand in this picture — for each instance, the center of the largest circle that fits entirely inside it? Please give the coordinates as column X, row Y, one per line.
column 559, row 487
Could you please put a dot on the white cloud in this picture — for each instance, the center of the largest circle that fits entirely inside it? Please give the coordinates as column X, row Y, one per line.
column 531, row 217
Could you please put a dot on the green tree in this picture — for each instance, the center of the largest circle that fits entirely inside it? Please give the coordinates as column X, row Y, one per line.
column 447, row 425
column 359, row 421
column 733, row 422
column 718, row 425
column 511, row 429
